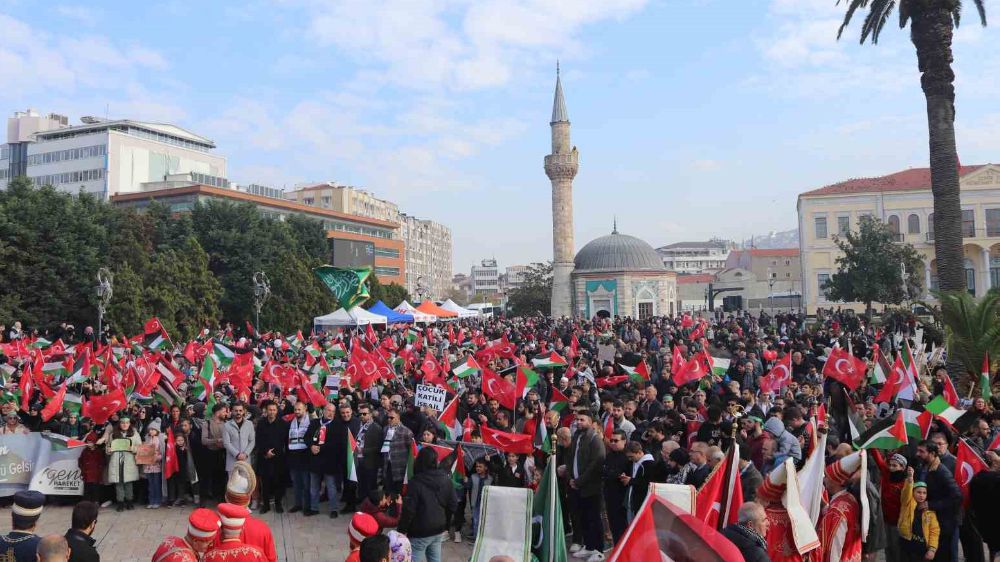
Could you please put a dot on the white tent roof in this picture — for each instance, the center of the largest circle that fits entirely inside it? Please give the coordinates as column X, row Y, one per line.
column 419, row 316
column 356, row 317
column 452, row 306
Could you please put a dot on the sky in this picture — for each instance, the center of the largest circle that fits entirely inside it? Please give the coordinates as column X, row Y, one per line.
column 693, row 118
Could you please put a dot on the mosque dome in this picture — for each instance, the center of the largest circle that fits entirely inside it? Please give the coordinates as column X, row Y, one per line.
column 617, row 252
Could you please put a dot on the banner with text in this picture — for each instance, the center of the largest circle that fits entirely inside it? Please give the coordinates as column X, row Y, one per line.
column 432, row 396
column 42, row 462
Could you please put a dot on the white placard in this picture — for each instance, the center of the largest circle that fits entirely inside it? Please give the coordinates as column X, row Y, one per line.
column 432, row 396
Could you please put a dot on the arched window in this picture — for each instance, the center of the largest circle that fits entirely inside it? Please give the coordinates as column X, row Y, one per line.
column 894, row 224
column 913, row 224
column 970, row 276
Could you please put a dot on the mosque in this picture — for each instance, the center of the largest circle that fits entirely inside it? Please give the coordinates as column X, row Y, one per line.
column 614, row 275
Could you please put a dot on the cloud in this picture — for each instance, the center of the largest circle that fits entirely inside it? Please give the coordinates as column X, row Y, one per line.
column 81, row 14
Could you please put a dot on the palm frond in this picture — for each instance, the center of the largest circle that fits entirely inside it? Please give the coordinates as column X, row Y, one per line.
column 852, row 7
column 973, row 327
column 981, row 8
column 956, row 13
column 904, row 14
column 878, row 14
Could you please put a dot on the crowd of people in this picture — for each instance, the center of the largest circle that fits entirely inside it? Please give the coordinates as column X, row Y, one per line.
column 615, row 403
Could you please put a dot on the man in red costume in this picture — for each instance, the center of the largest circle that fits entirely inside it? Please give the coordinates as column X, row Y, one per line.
column 840, row 526
column 780, row 540
column 239, row 490
column 232, row 549
column 203, row 528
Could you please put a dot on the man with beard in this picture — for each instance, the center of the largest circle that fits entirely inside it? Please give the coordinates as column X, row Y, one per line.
column 616, row 464
column 271, row 449
column 943, row 495
column 369, row 439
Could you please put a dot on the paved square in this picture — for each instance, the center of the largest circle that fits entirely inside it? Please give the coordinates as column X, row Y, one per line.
column 134, row 535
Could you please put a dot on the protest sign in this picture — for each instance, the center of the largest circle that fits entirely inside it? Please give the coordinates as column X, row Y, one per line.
column 41, row 462
column 432, row 396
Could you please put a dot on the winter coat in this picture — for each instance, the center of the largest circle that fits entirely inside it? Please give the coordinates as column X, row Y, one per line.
column 92, row 461
column 427, row 505
column 928, row 519
column 753, row 547
column 81, row 546
column 750, row 480
column 121, row 464
column 635, row 493
column 271, row 436
column 787, row 445
column 589, row 462
column 399, row 449
column 238, row 439
column 370, row 456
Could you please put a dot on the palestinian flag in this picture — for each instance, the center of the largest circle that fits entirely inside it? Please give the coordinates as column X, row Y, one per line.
column 154, row 336
column 61, row 442
column 412, row 334
column 295, row 342
column 223, row 354
column 410, row 457
column 881, row 370
column 720, row 366
column 352, row 446
column 448, row 421
column 542, row 442
column 169, row 373
column 984, row 379
column 639, row 373
column 918, row 424
column 79, row 370
column 314, row 350
column 337, row 350
column 73, row 402
column 551, row 361
column 546, row 511
column 526, row 380
column 465, row 368
column 957, row 419
column 559, row 402
column 887, row 433
column 39, row 343
column 205, row 385
column 55, row 369
column 167, row 395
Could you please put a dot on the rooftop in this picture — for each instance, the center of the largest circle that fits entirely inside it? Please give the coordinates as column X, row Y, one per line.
column 711, row 244
column 905, row 180
column 773, row 252
column 695, row 278
column 163, row 128
column 617, row 252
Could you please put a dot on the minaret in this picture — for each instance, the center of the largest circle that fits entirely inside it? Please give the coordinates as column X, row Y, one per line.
column 561, row 167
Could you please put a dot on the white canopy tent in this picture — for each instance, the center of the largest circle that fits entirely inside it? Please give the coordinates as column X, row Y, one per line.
column 452, row 306
column 356, row 317
column 419, row 316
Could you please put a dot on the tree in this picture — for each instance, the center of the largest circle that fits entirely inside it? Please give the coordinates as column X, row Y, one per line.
column 972, row 329
column 535, row 293
column 391, row 294
column 872, row 267
column 932, row 23
column 460, row 297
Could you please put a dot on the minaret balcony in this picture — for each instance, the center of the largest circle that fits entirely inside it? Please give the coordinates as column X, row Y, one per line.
column 562, row 166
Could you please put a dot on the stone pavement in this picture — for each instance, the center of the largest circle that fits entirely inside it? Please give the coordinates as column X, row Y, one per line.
column 134, row 535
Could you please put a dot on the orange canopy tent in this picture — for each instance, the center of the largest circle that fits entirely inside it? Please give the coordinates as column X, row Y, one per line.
column 430, row 308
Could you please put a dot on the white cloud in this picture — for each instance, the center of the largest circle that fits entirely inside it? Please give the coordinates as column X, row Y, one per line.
column 81, row 14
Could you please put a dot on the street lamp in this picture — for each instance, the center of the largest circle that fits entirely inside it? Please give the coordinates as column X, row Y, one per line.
column 104, row 289
column 770, row 290
column 261, row 291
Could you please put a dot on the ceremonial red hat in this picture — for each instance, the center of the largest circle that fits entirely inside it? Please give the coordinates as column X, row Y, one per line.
column 233, row 516
column 362, row 526
column 841, row 471
column 203, row 523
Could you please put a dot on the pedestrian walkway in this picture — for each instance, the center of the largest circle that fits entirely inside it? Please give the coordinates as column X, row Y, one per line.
column 134, row 535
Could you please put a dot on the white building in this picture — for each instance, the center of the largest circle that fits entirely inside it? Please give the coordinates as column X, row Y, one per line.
column 485, row 278
column 428, row 256
column 695, row 257
column 105, row 157
column 514, row 276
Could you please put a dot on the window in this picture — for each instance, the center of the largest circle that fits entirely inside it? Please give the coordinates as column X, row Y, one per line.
column 822, row 279
column 970, row 276
column 930, row 227
column 387, row 271
column 894, row 224
column 788, row 275
column 913, row 224
column 994, row 272
column 843, row 225
column 645, row 310
column 993, row 222
column 386, row 252
column 968, row 223
column 820, row 227
column 326, row 201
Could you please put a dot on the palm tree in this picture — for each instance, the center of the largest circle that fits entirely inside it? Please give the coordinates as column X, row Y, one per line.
column 931, row 25
column 972, row 328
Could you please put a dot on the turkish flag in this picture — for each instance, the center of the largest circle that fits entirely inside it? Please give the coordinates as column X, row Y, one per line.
column 676, row 360
column 496, row 387
column 191, row 352
column 845, row 368
column 271, row 373
column 779, row 376
column 361, row 368
column 949, row 392
column 968, row 463
column 508, row 442
column 693, row 370
column 100, row 408
column 895, row 381
column 429, row 367
column 146, row 376
column 171, row 465
column 55, row 404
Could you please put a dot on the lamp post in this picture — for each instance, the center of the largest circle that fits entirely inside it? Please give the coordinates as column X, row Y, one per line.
column 261, row 291
column 770, row 290
column 104, row 289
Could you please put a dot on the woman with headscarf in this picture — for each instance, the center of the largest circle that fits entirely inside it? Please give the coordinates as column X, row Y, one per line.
column 122, row 469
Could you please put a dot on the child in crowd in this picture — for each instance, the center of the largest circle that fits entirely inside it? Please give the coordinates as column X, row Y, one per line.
column 479, row 479
column 383, row 507
column 918, row 525
column 154, row 470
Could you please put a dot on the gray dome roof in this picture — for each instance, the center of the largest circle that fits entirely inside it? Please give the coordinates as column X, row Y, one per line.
column 618, row 252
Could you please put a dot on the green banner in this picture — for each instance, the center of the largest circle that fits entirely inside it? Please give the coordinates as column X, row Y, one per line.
column 348, row 285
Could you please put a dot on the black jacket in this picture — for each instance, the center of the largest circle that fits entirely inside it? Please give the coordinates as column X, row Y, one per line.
column 615, row 464
column 332, row 456
column 371, row 453
column 428, row 505
column 81, row 547
column 752, row 550
column 271, row 435
column 590, row 462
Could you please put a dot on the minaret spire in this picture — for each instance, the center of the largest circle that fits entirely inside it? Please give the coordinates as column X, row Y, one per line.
column 614, row 227
column 561, row 167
